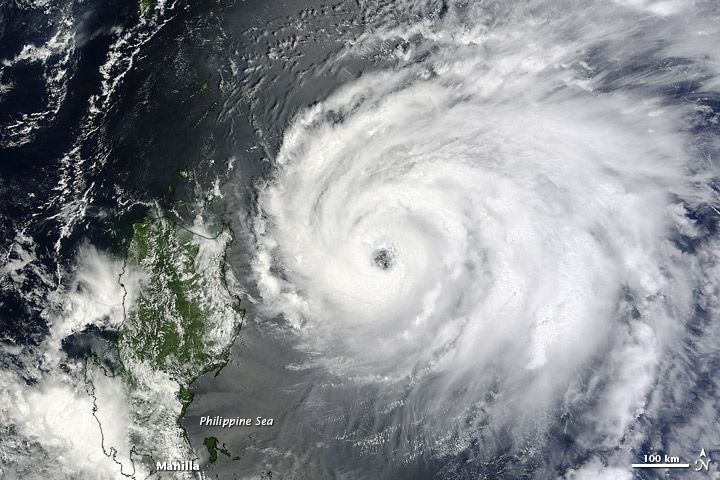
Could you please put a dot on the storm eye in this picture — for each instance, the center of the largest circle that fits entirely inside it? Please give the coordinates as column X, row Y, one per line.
column 383, row 258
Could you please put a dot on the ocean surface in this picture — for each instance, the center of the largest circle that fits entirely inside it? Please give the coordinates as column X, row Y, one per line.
column 472, row 239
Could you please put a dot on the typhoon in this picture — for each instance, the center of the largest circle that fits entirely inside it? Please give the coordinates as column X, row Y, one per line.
column 503, row 233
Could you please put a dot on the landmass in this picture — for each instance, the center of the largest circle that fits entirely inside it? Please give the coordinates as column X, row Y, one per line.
column 181, row 325
column 211, row 443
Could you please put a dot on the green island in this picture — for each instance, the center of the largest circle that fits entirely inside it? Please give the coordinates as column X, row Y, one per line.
column 211, row 443
column 147, row 5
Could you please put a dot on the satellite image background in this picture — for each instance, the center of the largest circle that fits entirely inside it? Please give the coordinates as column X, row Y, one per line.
column 428, row 239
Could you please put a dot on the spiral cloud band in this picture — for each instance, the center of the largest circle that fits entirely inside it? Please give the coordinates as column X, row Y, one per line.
column 487, row 222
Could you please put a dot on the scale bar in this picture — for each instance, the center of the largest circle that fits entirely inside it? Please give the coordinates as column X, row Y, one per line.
column 661, row 465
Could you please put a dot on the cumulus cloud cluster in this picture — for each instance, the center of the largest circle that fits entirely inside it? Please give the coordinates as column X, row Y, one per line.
column 64, row 418
column 487, row 224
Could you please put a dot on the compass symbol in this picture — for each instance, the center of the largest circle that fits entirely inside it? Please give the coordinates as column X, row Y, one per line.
column 703, row 462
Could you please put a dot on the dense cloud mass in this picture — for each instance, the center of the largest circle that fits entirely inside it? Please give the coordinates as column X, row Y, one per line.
column 505, row 226
column 473, row 239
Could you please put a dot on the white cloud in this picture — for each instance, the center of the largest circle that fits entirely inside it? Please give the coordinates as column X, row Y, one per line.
column 595, row 469
column 520, row 200
column 94, row 295
column 55, row 432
